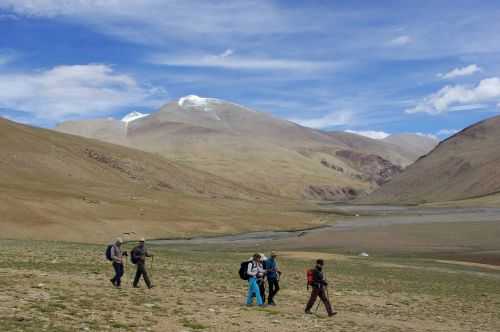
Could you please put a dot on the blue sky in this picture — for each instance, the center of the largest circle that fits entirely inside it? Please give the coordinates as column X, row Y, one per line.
column 374, row 67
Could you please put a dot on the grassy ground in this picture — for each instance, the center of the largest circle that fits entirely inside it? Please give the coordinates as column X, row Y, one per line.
column 54, row 286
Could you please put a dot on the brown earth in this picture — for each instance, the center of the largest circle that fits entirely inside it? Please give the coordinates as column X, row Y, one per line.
column 58, row 186
column 465, row 166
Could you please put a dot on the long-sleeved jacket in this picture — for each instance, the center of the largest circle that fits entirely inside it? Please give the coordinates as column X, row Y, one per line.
column 318, row 278
column 140, row 253
column 254, row 269
column 116, row 254
column 272, row 269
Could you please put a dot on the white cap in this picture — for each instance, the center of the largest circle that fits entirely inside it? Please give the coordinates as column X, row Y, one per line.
column 119, row 240
column 142, row 240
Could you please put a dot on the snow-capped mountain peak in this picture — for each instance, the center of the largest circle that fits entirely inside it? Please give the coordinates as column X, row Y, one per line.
column 133, row 116
column 197, row 103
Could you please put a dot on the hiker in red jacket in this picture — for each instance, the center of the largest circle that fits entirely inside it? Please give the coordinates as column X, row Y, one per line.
column 319, row 288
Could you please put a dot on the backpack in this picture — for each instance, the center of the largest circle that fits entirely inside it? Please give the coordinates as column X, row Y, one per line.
column 310, row 278
column 107, row 254
column 243, row 272
column 133, row 257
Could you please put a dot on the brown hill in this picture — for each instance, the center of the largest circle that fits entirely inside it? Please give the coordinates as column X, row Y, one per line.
column 58, row 186
column 465, row 165
column 400, row 149
column 244, row 146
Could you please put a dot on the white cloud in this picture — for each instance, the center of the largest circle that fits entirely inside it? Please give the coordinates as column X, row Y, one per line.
column 468, row 107
column 446, row 132
column 226, row 53
column 427, row 135
column 6, row 56
column 229, row 61
column 73, row 91
column 157, row 21
column 401, row 41
column 451, row 98
column 330, row 120
column 370, row 133
column 458, row 72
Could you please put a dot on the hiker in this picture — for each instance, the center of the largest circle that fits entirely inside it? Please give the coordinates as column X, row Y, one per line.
column 138, row 255
column 273, row 276
column 261, row 279
column 254, row 270
column 319, row 288
column 116, row 256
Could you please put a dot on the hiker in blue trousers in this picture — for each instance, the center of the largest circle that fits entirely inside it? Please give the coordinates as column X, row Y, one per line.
column 254, row 271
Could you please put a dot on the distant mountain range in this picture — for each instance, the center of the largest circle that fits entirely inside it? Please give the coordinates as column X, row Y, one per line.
column 464, row 166
column 257, row 150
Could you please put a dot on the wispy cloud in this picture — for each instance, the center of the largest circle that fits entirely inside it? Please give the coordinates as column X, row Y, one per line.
column 334, row 119
column 154, row 21
column 458, row 72
column 446, row 132
column 75, row 91
column 369, row 133
column 460, row 97
column 7, row 56
column 228, row 60
column 400, row 41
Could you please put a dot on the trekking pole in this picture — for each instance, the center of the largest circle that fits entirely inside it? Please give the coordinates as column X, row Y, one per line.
column 152, row 260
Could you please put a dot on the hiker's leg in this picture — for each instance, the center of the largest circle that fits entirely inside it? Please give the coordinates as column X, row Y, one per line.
column 138, row 274
column 262, row 290
column 251, row 290
column 312, row 299
column 146, row 276
column 258, row 295
column 119, row 275
column 326, row 301
column 270, row 297
column 115, row 268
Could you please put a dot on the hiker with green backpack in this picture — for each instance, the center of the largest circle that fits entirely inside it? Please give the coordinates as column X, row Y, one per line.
column 316, row 279
column 115, row 255
column 138, row 257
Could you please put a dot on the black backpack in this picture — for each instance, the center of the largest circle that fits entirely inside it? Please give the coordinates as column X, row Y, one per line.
column 244, row 269
column 133, row 257
column 108, row 253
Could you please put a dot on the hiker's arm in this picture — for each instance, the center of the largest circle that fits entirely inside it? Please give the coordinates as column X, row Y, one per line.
column 114, row 257
column 250, row 271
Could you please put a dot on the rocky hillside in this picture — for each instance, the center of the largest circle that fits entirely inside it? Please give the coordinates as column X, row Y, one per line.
column 254, row 149
column 58, row 186
column 465, row 165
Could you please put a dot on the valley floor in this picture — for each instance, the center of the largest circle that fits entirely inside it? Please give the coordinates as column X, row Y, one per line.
column 55, row 286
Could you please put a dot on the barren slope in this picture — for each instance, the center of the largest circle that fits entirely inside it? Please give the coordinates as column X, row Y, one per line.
column 247, row 147
column 58, row 186
column 398, row 153
column 464, row 166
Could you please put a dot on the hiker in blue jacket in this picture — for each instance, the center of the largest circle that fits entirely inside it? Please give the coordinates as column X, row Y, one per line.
column 273, row 276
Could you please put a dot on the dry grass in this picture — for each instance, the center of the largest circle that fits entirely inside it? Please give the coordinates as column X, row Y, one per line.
column 50, row 286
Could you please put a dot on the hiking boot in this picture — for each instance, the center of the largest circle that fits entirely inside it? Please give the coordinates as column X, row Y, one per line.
column 135, row 286
column 332, row 314
column 152, row 286
column 112, row 282
column 272, row 303
column 308, row 312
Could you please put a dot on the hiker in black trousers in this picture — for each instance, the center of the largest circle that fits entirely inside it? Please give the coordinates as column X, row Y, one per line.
column 319, row 285
column 117, row 259
column 273, row 275
column 139, row 254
